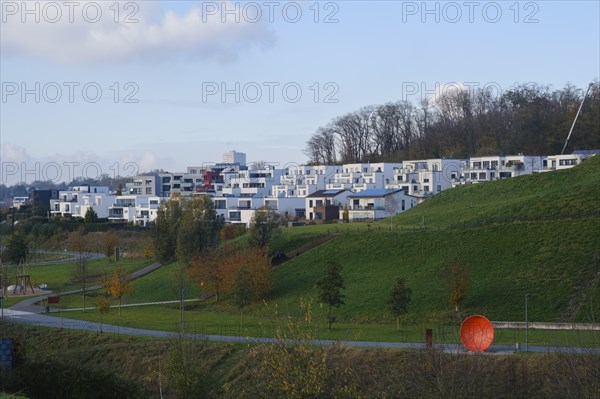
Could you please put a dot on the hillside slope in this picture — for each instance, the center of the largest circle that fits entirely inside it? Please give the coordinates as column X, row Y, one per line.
column 538, row 234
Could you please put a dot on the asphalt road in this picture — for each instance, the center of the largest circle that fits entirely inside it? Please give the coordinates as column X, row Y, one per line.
column 17, row 316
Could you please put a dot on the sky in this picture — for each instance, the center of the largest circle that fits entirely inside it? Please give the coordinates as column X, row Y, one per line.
column 122, row 87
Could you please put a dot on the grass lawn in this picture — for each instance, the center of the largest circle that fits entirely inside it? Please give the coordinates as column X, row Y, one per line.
column 59, row 276
column 167, row 317
column 153, row 287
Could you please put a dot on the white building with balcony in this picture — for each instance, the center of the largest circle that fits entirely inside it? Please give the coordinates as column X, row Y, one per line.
column 303, row 180
column 256, row 181
column 424, row 178
column 377, row 203
column 362, row 176
column 137, row 209
column 482, row 169
column 76, row 201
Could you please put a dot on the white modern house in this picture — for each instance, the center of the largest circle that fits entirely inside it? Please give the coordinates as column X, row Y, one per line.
column 362, row 176
column 424, row 178
column 240, row 210
column 325, row 205
column 138, row 209
column 77, row 200
column 482, row 169
column 566, row 161
column 255, row 181
column 303, row 180
column 377, row 203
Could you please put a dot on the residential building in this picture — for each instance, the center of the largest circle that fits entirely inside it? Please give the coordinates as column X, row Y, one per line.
column 377, row 203
column 137, row 209
column 303, row 180
column 76, row 201
column 362, row 176
column 143, row 185
column 325, row 205
column 234, row 157
column 424, row 178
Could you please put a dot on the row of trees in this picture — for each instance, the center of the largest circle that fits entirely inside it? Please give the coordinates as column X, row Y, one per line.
column 185, row 228
column 189, row 230
column 530, row 119
column 455, row 275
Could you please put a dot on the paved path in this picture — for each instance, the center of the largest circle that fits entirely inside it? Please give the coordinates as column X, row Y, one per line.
column 25, row 312
column 17, row 316
column 28, row 306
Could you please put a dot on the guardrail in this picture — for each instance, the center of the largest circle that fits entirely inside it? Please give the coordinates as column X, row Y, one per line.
column 517, row 325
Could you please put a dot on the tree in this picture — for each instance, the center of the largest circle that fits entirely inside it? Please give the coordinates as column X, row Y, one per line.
column 457, row 276
column 329, row 288
column 90, row 216
column 120, row 285
column 306, row 369
column 242, row 291
column 17, row 248
column 399, row 299
column 102, row 306
column 81, row 275
column 186, row 370
column 264, row 227
column 198, row 229
column 207, row 271
column 166, row 227
column 109, row 244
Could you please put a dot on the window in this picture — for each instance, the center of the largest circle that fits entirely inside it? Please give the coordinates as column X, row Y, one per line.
column 310, row 205
column 482, row 176
column 148, row 190
column 220, row 204
column 426, row 188
column 439, row 188
column 403, row 205
column 426, row 180
column 486, row 164
column 476, row 165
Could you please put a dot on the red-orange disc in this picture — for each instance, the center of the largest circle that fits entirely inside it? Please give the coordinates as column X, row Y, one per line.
column 477, row 333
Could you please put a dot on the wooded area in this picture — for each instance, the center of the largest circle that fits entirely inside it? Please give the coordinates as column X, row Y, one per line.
column 459, row 123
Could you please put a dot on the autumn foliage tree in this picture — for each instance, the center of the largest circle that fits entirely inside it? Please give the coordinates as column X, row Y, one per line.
column 457, row 277
column 216, row 270
column 120, row 285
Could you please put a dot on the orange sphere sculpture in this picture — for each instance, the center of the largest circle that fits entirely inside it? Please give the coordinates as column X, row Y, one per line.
column 477, row 333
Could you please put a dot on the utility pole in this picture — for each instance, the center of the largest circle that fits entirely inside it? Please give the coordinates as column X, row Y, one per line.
column 575, row 120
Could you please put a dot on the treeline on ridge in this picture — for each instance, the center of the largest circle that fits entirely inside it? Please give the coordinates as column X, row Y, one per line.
column 529, row 119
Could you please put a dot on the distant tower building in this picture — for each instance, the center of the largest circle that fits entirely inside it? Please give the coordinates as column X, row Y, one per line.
column 235, row 157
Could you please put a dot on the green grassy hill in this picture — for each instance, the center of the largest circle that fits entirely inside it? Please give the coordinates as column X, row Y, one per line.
column 538, row 234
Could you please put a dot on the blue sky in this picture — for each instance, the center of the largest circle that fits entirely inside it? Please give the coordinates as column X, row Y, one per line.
column 369, row 53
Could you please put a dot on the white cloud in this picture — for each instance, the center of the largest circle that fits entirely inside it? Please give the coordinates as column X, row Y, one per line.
column 17, row 166
column 157, row 35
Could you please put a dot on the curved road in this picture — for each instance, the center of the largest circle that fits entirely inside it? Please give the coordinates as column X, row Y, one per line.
column 25, row 312
column 23, row 317
column 27, row 305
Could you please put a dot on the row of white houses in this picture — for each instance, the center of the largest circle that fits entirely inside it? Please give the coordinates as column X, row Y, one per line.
column 360, row 191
